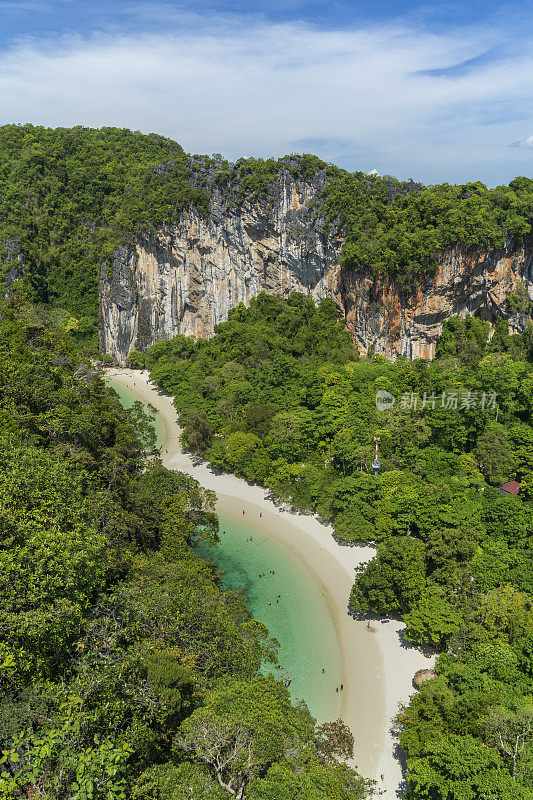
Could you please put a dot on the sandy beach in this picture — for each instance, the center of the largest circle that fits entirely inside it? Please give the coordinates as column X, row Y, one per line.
column 378, row 667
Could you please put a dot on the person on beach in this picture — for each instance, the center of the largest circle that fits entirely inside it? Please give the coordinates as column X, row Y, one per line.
column 337, row 689
column 261, row 514
column 323, row 670
column 342, row 687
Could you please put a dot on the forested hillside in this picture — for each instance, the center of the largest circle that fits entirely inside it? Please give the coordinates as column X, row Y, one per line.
column 125, row 670
column 280, row 397
column 69, row 197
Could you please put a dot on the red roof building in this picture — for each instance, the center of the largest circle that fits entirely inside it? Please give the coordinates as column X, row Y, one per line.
column 511, row 487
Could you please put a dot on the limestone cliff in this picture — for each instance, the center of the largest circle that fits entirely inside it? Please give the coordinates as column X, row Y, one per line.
column 383, row 316
column 186, row 278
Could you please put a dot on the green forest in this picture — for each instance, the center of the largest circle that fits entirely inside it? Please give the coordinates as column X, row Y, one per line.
column 125, row 669
column 280, row 397
column 70, row 196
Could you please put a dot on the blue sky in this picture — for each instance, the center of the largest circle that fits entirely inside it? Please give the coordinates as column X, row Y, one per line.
column 436, row 91
column 45, row 17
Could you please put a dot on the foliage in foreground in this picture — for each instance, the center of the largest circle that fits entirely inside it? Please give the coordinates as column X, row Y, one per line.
column 125, row 670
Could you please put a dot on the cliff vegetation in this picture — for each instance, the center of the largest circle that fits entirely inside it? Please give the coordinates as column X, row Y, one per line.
column 69, row 197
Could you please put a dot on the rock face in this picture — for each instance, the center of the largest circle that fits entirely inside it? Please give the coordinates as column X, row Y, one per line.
column 382, row 316
column 16, row 266
column 185, row 279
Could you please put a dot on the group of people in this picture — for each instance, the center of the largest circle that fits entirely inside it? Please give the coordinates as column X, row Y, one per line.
column 341, row 688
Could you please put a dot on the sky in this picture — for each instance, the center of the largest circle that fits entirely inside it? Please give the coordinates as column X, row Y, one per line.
column 438, row 91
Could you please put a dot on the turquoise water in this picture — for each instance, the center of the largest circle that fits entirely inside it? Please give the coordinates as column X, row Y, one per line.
column 128, row 399
column 300, row 620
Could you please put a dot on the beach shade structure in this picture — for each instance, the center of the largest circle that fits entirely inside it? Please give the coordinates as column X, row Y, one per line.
column 423, row 675
column 511, row 487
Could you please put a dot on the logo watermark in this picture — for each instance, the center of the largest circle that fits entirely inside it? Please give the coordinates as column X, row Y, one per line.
column 455, row 401
column 384, row 400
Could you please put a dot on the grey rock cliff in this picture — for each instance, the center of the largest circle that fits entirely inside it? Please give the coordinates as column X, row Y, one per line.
column 185, row 279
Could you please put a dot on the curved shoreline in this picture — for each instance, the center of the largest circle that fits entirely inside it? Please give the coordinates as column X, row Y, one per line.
column 378, row 667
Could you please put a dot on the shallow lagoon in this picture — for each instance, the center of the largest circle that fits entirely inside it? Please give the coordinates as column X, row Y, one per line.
column 300, row 620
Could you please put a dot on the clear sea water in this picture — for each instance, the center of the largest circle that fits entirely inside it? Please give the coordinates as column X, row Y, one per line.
column 300, row 620
column 128, row 399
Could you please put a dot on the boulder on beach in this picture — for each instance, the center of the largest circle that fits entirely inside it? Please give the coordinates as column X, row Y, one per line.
column 423, row 675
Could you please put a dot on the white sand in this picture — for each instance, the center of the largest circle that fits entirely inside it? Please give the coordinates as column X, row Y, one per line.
column 378, row 668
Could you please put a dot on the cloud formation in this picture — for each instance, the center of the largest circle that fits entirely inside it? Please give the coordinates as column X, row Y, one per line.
column 378, row 96
column 527, row 142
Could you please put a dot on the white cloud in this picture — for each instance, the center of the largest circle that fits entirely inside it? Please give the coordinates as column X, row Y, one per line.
column 261, row 89
column 21, row 6
column 527, row 142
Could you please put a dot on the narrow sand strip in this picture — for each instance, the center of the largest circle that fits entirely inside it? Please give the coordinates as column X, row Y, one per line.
column 378, row 668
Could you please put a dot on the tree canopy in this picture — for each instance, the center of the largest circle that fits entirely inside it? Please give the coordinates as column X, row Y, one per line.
column 280, row 397
column 119, row 649
column 70, row 196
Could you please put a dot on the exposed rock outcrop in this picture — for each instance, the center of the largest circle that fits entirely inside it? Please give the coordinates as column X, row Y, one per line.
column 15, row 264
column 383, row 316
column 423, row 675
column 186, row 278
